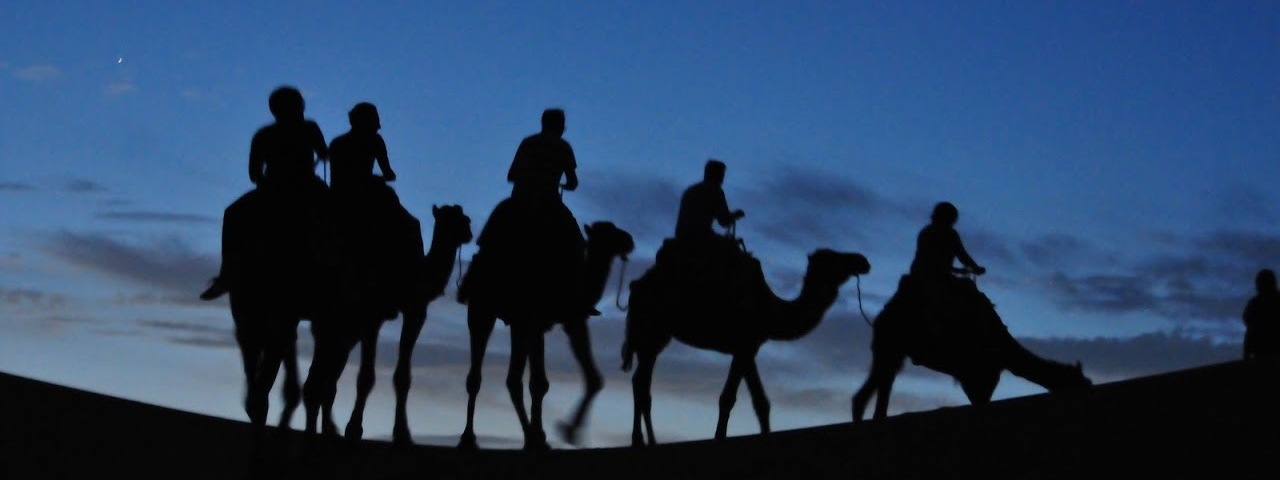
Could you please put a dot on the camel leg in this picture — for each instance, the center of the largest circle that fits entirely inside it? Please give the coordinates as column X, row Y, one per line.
column 580, row 343
column 292, row 389
column 480, row 325
column 256, row 401
column 759, row 401
column 884, row 369
column 364, row 381
column 321, row 386
column 729, row 395
column 538, row 387
column 980, row 387
column 408, row 339
column 641, row 383
column 515, row 376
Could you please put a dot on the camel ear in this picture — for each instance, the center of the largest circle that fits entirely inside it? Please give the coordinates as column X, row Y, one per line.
column 435, row 209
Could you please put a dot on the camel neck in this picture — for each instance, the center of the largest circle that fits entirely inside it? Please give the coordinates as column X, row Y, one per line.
column 796, row 318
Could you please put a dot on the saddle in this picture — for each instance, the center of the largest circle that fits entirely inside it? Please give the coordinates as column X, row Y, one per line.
column 716, row 266
column 953, row 314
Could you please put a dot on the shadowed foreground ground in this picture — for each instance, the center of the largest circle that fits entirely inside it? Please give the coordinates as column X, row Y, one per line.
column 1218, row 421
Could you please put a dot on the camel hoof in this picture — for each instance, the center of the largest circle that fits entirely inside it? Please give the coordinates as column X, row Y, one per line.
column 354, row 432
column 568, row 433
column 468, row 443
column 401, row 437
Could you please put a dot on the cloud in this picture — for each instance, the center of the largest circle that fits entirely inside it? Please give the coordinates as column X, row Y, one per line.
column 37, row 73
column 84, row 186
column 801, row 208
column 644, row 206
column 27, row 299
column 168, row 264
column 1205, row 278
column 16, row 187
column 120, row 88
column 193, row 334
column 157, row 217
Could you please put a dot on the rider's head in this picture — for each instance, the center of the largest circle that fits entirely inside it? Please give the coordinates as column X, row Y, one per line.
column 286, row 104
column 553, row 121
column 1265, row 281
column 713, row 172
column 944, row 213
column 364, row 116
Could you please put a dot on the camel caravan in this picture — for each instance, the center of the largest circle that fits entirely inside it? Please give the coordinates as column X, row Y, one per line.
column 347, row 257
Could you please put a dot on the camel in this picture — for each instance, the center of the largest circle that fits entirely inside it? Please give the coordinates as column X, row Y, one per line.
column 733, row 312
column 279, row 253
column 530, row 307
column 973, row 346
column 423, row 282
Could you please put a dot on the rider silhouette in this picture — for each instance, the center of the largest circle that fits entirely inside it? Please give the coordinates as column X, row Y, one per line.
column 533, row 223
column 937, row 248
column 703, row 203
column 1262, row 318
column 354, row 153
column 282, row 158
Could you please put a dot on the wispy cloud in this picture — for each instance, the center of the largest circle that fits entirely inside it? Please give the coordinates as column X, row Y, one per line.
column 84, row 186
column 37, row 73
column 120, row 88
column 16, row 187
column 168, row 264
column 156, row 217
column 28, row 299
column 1201, row 278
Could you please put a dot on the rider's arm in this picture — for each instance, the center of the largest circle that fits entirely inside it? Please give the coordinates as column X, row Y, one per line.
column 570, row 169
column 384, row 163
column 962, row 254
column 257, row 159
column 720, row 210
column 317, row 142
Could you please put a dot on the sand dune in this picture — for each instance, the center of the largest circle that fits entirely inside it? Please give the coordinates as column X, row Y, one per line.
column 1217, row 421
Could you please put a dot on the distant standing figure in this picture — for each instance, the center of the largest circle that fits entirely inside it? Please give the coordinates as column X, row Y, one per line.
column 1262, row 318
column 354, row 153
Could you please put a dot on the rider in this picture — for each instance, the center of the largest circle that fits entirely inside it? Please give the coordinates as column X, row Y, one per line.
column 702, row 203
column 282, row 158
column 535, row 210
column 354, row 153
column 937, row 248
column 1262, row 318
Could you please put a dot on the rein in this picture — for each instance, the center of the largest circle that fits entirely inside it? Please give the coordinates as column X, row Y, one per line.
column 865, row 318
column 618, row 299
column 458, row 283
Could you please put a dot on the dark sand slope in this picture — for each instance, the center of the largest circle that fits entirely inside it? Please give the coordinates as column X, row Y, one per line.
column 1218, row 421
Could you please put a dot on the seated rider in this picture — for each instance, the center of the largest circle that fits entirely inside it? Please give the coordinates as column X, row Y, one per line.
column 937, row 248
column 353, row 155
column 282, row 158
column 533, row 223
column 703, row 203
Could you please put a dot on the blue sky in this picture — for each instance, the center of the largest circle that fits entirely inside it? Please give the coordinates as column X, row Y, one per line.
column 1113, row 162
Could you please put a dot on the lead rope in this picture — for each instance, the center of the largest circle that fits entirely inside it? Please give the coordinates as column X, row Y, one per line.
column 864, row 313
column 458, row 283
column 618, row 299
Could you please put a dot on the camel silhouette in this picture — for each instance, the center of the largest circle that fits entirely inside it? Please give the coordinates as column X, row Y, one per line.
column 973, row 346
column 509, row 289
column 281, row 251
column 418, row 285
column 736, row 315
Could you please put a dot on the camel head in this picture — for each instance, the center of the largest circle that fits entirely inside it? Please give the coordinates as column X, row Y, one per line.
column 607, row 239
column 452, row 225
column 834, row 268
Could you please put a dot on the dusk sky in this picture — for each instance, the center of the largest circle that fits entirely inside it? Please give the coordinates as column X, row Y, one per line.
column 1114, row 164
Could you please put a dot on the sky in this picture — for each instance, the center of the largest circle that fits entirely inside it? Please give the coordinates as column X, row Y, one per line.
column 1113, row 163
